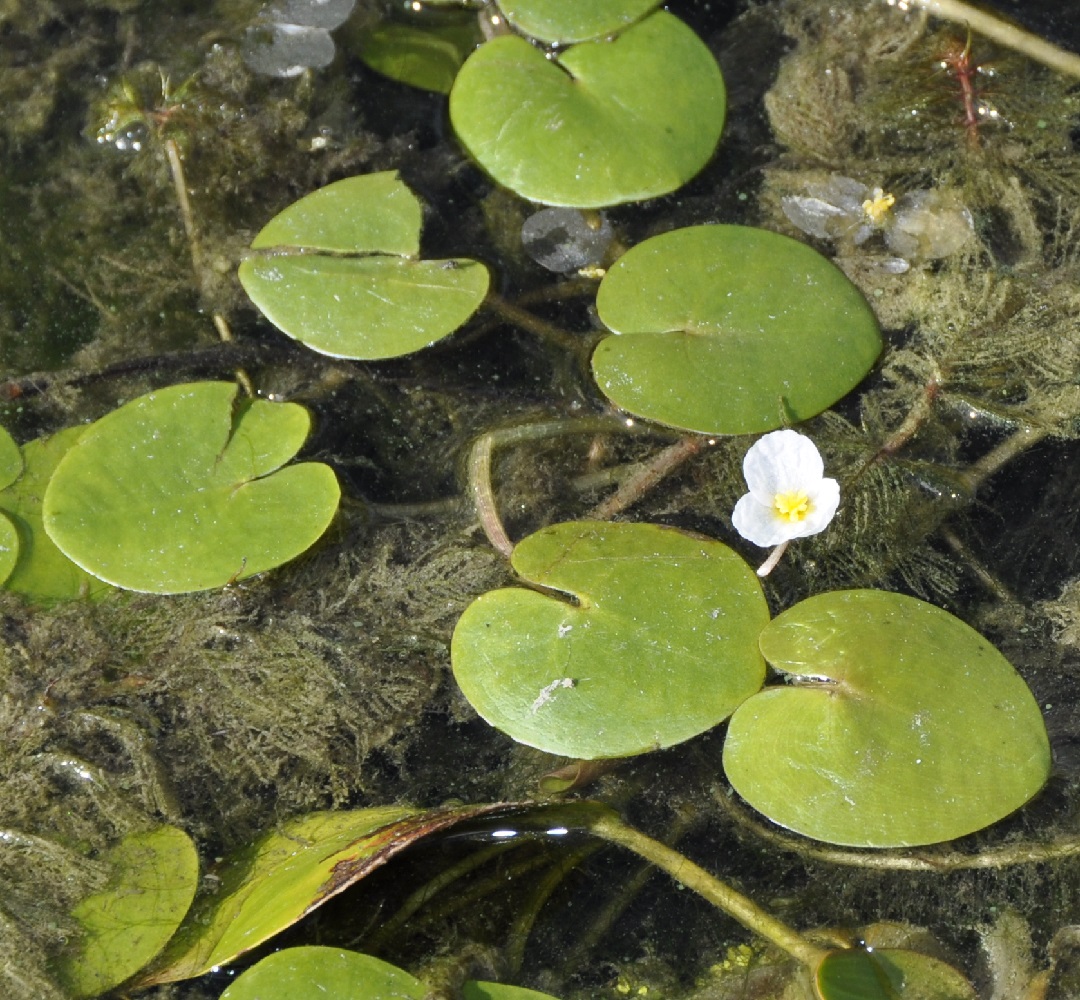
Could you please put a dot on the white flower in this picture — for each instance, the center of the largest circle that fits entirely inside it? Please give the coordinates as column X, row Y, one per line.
column 789, row 496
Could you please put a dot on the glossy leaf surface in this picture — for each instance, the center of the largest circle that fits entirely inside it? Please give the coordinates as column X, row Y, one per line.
column 901, row 725
column 287, row 874
column 183, row 489
column 43, row 573
column 604, row 122
column 566, row 21
column 888, row 974
column 154, row 878
column 320, row 973
column 340, row 275
column 648, row 637
column 730, row 330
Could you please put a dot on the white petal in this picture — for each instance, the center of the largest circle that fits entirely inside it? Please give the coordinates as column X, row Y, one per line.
column 811, row 215
column 759, row 523
column 823, row 504
column 782, row 462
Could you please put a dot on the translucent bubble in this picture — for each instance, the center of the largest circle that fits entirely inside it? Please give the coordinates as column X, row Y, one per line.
column 325, row 14
column 287, row 49
column 929, row 224
column 293, row 35
column 565, row 239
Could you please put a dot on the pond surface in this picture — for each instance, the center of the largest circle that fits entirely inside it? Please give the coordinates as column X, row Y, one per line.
column 327, row 683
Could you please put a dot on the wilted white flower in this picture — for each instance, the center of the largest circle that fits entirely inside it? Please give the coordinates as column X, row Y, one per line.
column 918, row 226
column 789, row 495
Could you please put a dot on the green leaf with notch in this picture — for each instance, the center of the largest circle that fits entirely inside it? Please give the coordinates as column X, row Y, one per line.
column 602, row 123
column 338, row 273
column 730, row 330
column 900, row 726
column 644, row 637
column 183, row 489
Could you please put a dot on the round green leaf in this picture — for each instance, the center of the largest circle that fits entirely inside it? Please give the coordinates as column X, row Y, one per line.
column 566, row 21
column 153, row 881
column 314, row 972
column 730, row 330
column 426, row 56
column 11, row 460
column 182, row 489
column 888, row 974
column 372, row 213
column 652, row 640
column 902, row 725
column 365, row 307
column 9, row 547
column 602, row 123
column 474, row 990
column 339, row 275
column 42, row 572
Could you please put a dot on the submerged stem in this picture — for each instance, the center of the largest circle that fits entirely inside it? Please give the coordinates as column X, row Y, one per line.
column 637, row 485
column 609, row 827
column 1002, row 32
column 480, row 455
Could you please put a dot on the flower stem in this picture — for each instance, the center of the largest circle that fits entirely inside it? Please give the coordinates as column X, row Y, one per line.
column 774, row 557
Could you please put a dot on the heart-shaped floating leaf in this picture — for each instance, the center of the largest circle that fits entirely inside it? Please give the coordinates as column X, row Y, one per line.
column 42, row 572
column 603, row 123
column 152, row 883
column 314, row 972
column 565, row 21
column 888, row 974
column 427, row 54
column 339, row 276
column 11, row 460
column 11, row 467
column 182, row 489
column 654, row 642
column 730, row 330
column 289, row 872
column 474, row 990
column 902, row 726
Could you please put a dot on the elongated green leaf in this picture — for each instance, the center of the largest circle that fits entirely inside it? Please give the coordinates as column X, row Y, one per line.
column 286, row 874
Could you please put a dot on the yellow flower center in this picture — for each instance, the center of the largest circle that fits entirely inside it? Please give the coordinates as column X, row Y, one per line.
column 792, row 506
column 877, row 207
